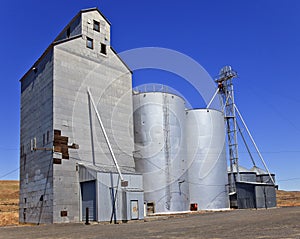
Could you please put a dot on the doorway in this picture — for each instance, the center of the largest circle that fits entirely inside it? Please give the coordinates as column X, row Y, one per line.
column 88, row 199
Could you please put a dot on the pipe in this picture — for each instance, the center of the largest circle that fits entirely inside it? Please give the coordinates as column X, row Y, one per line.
column 105, row 135
column 212, row 99
column 259, row 154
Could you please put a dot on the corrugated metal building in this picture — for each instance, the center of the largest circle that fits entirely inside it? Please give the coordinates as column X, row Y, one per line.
column 73, row 123
column 57, row 115
column 255, row 189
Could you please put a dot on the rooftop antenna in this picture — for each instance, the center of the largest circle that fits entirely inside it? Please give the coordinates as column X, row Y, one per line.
column 225, row 89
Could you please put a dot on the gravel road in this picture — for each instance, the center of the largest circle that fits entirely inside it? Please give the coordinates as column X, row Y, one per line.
column 271, row 223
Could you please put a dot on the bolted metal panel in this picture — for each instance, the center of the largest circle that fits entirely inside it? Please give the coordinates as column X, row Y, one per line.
column 245, row 175
column 207, row 167
column 263, row 176
column 122, row 196
column 255, row 189
column 159, row 130
column 265, row 193
column 265, row 196
column 245, row 195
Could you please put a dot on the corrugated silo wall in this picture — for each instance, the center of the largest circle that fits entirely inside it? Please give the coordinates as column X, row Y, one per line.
column 160, row 149
column 206, row 154
column 265, row 194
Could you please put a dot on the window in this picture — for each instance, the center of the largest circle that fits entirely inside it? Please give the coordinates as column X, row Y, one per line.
column 103, row 49
column 48, row 136
column 96, row 26
column 68, row 32
column 89, row 43
column 150, row 208
column 44, row 139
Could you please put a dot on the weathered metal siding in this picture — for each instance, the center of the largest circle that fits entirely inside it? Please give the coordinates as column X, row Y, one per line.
column 246, row 175
column 207, row 166
column 123, row 196
column 54, row 98
column 159, row 130
column 74, row 28
column 36, row 175
column 245, row 195
column 255, row 189
column 87, row 28
column 265, row 194
column 76, row 68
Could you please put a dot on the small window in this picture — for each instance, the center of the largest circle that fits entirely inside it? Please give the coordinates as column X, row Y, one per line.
column 103, row 49
column 24, row 214
column 96, row 26
column 48, row 136
column 63, row 213
column 44, row 139
column 89, row 43
column 150, row 208
column 68, row 32
column 22, row 150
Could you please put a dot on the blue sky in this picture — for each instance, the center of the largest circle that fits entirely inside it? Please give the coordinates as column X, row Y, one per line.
column 260, row 39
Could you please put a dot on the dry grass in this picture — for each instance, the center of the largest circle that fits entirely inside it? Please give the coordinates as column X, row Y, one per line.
column 288, row 199
column 9, row 201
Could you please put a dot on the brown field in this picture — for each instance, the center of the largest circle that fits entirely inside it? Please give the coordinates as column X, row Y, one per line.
column 9, row 203
column 9, row 200
column 288, row 198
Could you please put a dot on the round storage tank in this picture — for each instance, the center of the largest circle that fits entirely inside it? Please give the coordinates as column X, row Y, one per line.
column 207, row 166
column 159, row 122
column 263, row 176
column 246, row 175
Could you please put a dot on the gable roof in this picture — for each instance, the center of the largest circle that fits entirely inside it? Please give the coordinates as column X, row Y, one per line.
column 55, row 42
column 94, row 9
column 79, row 15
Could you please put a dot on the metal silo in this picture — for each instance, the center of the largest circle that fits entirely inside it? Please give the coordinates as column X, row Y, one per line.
column 244, row 194
column 265, row 189
column 207, row 166
column 246, row 175
column 159, row 122
column 262, row 176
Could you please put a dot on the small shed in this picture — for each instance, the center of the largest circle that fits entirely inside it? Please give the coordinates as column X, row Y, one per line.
column 106, row 199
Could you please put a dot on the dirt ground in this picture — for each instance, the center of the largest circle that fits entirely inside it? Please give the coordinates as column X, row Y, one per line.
column 271, row 223
column 9, row 200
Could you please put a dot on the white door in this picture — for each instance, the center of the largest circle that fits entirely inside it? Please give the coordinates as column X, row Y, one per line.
column 134, row 209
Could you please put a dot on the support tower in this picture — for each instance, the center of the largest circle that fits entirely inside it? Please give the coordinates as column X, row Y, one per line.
column 225, row 88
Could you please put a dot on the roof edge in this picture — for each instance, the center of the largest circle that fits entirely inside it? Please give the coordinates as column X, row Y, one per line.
column 49, row 48
column 95, row 9
column 66, row 40
column 54, row 42
column 113, row 50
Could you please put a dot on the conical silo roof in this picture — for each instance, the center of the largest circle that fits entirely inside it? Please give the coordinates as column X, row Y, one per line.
column 259, row 171
column 241, row 169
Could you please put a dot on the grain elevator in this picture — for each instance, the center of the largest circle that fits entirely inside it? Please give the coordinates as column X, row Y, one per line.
column 92, row 148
